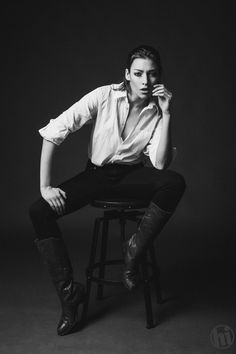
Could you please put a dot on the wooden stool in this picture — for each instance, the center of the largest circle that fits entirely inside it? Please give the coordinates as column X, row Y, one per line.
column 122, row 210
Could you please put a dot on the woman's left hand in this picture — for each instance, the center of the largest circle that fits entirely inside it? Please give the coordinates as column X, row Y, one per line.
column 164, row 96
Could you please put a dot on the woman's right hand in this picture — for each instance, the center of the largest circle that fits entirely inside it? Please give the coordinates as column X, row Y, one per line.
column 55, row 197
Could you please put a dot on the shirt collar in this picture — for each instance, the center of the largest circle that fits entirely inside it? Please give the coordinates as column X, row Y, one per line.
column 123, row 94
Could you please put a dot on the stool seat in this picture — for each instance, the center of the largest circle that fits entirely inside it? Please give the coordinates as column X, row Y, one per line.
column 118, row 203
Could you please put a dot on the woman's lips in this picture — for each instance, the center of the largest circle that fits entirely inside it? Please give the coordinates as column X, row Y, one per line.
column 145, row 90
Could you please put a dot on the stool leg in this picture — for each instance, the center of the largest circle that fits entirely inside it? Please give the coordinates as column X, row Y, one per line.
column 147, row 293
column 122, row 230
column 156, row 273
column 89, row 270
column 103, row 257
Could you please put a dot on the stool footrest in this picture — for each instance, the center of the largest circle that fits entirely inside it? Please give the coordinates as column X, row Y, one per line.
column 109, row 262
column 106, row 281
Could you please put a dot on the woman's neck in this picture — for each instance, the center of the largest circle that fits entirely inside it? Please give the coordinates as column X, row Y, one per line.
column 136, row 102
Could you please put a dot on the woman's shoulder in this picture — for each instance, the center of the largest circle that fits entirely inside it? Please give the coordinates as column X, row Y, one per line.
column 108, row 91
column 111, row 87
column 118, row 87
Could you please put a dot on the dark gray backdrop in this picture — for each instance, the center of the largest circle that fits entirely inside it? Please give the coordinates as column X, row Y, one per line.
column 56, row 52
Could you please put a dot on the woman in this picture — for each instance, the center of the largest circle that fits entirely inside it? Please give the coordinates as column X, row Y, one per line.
column 131, row 126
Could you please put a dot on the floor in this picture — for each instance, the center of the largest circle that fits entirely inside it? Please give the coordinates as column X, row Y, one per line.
column 198, row 278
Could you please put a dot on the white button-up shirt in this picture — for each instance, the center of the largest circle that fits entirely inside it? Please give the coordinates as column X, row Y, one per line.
column 107, row 108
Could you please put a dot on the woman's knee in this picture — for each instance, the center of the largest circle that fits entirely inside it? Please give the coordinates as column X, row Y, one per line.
column 173, row 180
column 178, row 181
column 170, row 191
column 39, row 210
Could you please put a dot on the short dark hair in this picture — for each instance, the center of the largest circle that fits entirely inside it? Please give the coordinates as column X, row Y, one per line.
column 142, row 51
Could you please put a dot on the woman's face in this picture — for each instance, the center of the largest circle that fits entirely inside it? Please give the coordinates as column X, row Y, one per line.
column 143, row 74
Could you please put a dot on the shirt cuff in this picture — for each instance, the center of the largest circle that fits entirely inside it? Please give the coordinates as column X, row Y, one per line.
column 53, row 134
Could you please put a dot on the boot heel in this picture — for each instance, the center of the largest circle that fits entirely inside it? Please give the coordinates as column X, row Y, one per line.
column 71, row 294
column 69, row 317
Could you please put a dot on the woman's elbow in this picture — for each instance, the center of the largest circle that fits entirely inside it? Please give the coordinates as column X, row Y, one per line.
column 161, row 165
column 158, row 165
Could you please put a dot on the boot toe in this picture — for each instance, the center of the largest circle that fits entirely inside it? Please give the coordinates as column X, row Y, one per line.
column 65, row 325
column 69, row 318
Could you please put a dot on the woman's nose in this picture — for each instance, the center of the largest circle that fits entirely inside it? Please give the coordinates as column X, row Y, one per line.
column 145, row 80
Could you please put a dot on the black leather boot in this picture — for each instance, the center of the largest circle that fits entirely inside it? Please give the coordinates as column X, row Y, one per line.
column 150, row 226
column 71, row 294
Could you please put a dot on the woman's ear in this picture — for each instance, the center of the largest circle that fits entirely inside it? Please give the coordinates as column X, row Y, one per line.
column 127, row 75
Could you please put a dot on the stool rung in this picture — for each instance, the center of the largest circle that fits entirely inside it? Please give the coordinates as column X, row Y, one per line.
column 111, row 262
column 106, row 281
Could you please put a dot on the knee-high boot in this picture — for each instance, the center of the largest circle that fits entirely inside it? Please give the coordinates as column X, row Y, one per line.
column 151, row 224
column 70, row 293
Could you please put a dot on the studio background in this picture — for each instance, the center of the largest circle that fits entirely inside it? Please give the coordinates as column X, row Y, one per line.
column 56, row 52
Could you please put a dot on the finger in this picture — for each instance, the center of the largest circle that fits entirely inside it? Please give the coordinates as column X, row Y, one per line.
column 157, row 93
column 52, row 206
column 60, row 201
column 168, row 96
column 57, row 206
column 163, row 93
column 161, row 90
column 158, row 85
column 169, row 93
column 60, row 205
column 61, row 197
column 63, row 193
column 63, row 203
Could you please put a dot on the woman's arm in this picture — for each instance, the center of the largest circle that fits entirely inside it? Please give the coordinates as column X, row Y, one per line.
column 47, row 152
column 164, row 150
column 55, row 132
column 80, row 113
column 54, row 196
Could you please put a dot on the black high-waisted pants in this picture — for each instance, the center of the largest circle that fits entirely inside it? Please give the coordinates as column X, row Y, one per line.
column 163, row 187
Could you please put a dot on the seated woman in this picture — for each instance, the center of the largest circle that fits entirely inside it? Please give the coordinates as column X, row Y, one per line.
column 131, row 127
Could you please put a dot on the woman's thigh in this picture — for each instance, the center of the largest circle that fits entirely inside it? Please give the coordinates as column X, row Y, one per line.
column 143, row 182
column 80, row 190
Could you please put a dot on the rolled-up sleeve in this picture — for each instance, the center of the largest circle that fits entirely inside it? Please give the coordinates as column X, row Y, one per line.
column 80, row 113
column 152, row 146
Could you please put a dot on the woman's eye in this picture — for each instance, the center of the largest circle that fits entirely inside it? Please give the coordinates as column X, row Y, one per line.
column 137, row 74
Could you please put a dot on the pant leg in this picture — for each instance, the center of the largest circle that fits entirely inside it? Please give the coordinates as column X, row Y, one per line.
column 79, row 189
column 163, row 187
column 91, row 183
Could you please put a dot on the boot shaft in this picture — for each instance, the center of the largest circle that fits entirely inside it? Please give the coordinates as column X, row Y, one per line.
column 55, row 256
column 150, row 226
